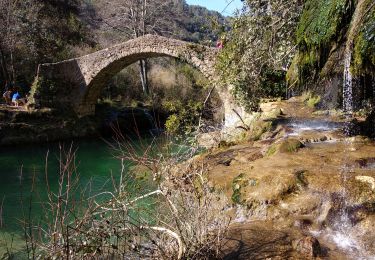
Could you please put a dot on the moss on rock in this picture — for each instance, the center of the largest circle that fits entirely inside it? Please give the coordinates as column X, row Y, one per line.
column 364, row 43
column 258, row 129
column 290, row 145
column 321, row 26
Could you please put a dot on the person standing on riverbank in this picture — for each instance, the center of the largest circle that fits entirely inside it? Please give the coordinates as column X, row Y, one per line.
column 7, row 94
column 15, row 97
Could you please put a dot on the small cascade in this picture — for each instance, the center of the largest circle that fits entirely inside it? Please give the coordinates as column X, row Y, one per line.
column 299, row 126
column 348, row 90
column 348, row 84
column 343, row 226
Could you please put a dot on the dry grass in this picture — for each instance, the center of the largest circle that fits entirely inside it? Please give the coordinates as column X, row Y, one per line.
column 182, row 218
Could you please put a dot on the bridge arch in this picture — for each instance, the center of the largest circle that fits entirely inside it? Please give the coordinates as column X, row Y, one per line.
column 77, row 83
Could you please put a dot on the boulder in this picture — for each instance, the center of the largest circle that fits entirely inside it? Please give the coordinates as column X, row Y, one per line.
column 288, row 145
column 308, row 246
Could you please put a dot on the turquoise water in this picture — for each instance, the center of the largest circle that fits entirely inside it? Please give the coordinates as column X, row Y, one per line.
column 22, row 169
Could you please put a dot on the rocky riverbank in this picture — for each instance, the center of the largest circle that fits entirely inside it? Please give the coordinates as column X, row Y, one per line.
column 298, row 178
column 19, row 126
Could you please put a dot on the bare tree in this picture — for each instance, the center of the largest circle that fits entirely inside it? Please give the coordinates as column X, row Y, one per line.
column 8, row 31
column 135, row 18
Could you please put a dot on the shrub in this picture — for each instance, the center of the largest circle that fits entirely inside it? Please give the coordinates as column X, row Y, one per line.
column 188, row 221
column 258, row 49
column 313, row 101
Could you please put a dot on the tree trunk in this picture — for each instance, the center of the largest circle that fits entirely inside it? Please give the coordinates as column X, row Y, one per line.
column 143, row 62
column 144, row 79
column 4, row 69
column 13, row 76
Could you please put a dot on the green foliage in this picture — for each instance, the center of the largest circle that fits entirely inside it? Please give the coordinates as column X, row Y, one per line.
column 178, row 91
column 237, row 185
column 183, row 117
column 312, row 100
column 193, row 75
column 323, row 28
column 35, row 88
column 258, row 49
column 364, row 45
column 173, row 124
column 273, row 83
column 38, row 32
column 320, row 22
column 321, row 25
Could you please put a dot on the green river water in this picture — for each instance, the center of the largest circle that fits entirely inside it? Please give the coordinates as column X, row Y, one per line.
column 22, row 166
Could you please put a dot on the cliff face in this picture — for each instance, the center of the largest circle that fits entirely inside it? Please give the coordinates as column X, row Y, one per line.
column 329, row 32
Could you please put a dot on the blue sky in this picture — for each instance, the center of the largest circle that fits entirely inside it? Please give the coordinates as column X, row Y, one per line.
column 218, row 5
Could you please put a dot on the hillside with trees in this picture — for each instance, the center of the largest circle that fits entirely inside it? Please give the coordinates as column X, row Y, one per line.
column 35, row 32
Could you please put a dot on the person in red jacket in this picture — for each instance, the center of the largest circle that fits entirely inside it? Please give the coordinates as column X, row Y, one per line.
column 219, row 44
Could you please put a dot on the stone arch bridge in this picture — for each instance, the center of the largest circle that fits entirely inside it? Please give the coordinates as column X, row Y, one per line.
column 76, row 83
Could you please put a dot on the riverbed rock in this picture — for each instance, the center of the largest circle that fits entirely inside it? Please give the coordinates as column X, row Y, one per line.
column 308, row 246
column 259, row 240
column 289, row 145
column 308, row 188
column 367, row 179
column 209, row 140
column 361, row 190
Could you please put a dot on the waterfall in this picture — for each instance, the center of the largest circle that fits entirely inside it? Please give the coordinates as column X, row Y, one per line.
column 348, row 83
column 343, row 233
column 348, row 79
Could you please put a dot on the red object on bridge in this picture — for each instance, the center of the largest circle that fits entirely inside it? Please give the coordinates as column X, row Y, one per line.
column 219, row 45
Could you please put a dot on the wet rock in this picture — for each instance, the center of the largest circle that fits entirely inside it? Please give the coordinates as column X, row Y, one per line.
column 259, row 128
column 247, row 157
column 304, row 223
column 361, row 190
column 225, row 161
column 209, row 140
column 270, row 187
column 357, row 139
column 366, row 230
column 308, row 246
column 367, row 179
column 325, row 210
column 357, row 214
column 271, row 110
column 289, row 145
column 368, row 126
column 302, row 204
column 366, row 162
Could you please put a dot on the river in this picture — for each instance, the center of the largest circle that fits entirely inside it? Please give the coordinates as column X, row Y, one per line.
column 22, row 169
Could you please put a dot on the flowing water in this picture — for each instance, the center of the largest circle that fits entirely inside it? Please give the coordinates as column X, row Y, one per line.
column 299, row 126
column 348, row 84
column 340, row 231
column 23, row 168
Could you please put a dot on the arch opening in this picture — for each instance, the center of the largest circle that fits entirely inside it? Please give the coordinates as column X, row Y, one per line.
column 177, row 98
